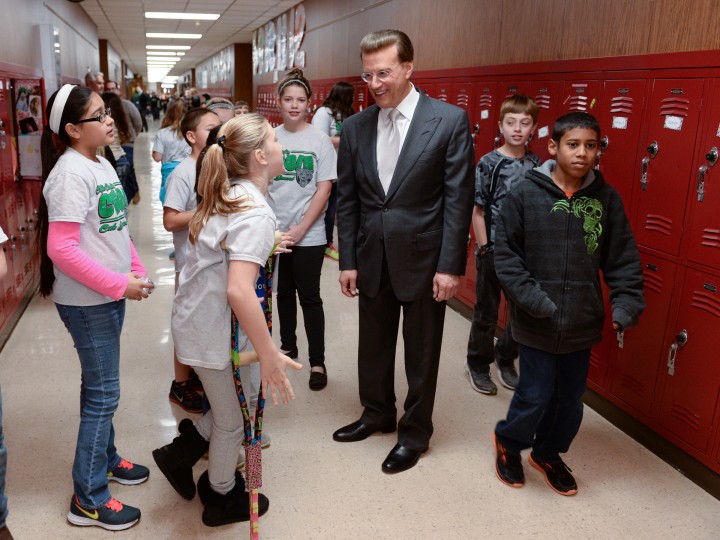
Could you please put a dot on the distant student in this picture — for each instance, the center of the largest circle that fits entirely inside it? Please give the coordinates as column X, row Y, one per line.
column 4, row 531
column 495, row 175
column 329, row 119
column 557, row 230
column 231, row 236
column 90, row 267
column 178, row 208
column 170, row 147
column 241, row 107
column 299, row 199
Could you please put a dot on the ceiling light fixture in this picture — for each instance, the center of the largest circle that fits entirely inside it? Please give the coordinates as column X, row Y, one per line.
column 188, row 16
column 172, row 36
column 162, row 53
column 169, row 47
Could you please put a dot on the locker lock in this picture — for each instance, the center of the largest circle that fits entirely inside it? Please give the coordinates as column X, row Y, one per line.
column 604, row 143
column 653, row 149
column 712, row 156
column 682, row 338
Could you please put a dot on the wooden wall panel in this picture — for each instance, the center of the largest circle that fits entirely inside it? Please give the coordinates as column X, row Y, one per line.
column 466, row 33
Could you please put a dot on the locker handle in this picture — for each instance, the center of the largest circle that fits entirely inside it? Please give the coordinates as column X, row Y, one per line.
column 644, row 173
column 671, row 359
column 702, row 171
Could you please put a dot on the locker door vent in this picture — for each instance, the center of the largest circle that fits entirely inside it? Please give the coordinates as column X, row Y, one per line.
column 485, row 101
column 442, row 95
column 685, row 415
column 621, row 104
column 659, row 224
column 632, row 384
column 706, row 302
column 711, row 238
column 543, row 101
column 674, row 107
column 462, row 99
column 577, row 103
column 595, row 360
column 653, row 282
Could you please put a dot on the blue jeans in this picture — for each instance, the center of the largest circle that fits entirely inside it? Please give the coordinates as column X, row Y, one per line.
column 3, row 470
column 546, row 410
column 95, row 331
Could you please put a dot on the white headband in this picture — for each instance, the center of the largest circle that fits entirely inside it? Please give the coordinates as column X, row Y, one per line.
column 58, row 107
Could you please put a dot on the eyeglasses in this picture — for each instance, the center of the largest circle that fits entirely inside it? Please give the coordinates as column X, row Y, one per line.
column 99, row 118
column 381, row 75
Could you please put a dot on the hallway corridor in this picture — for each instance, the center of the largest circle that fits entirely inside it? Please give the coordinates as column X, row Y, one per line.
column 318, row 489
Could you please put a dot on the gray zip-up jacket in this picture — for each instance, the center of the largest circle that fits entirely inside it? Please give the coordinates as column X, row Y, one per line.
column 549, row 251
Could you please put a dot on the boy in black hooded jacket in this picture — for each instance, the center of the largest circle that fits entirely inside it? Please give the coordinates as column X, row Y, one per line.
column 556, row 231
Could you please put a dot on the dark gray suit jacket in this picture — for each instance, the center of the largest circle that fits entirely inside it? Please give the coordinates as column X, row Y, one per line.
column 422, row 224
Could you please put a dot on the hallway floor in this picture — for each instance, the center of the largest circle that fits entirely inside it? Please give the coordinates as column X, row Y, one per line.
column 318, row 489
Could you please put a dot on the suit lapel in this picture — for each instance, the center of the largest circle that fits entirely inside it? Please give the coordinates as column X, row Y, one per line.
column 367, row 135
column 422, row 128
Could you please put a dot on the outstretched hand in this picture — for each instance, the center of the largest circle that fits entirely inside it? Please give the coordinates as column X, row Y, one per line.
column 274, row 378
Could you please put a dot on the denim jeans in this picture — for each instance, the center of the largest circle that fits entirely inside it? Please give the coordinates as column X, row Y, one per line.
column 546, row 410
column 3, row 470
column 95, row 331
column 299, row 272
column 481, row 344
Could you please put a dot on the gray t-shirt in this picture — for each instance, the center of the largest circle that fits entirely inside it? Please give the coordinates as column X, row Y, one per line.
column 168, row 144
column 309, row 158
column 180, row 196
column 83, row 191
column 201, row 312
column 324, row 120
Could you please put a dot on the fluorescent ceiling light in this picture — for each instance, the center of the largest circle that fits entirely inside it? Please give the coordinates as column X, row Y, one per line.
column 172, row 59
column 162, row 53
column 172, row 36
column 189, row 16
column 180, row 54
column 169, row 47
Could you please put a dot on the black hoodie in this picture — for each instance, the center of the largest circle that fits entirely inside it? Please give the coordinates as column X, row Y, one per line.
column 549, row 250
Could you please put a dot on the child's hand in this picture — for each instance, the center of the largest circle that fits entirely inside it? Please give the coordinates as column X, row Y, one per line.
column 283, row 241
column 274, row 379
column 137, row 287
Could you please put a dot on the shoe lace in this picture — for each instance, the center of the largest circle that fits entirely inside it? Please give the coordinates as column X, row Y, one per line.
column 114, row 505
column 125, row 464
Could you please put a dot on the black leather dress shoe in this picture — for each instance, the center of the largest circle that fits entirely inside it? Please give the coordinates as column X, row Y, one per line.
column 358, row 431
column 401, row 458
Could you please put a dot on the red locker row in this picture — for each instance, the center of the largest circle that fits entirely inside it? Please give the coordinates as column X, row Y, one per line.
column 660, row 117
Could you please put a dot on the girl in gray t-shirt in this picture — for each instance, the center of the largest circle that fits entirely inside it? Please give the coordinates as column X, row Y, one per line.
column 231, row 236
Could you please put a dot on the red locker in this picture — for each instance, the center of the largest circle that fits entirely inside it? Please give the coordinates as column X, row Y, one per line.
column 6, row 146
column 703, row 238
column 580, row 96
column 659, row 204
column 484, row 127
column 361, row 101
column 602, row 354
column 635, row 370
column 547, row 95
column 620, row 114
column 689, row 372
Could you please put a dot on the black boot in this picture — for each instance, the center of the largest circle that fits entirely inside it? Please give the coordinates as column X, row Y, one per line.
column 230, row 508
column 176, row 459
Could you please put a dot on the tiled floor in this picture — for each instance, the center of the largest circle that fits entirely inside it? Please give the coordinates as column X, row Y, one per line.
column 318, row 488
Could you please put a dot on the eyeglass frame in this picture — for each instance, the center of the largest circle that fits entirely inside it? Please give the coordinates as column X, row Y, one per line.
column 99, row 118
column 368, row 76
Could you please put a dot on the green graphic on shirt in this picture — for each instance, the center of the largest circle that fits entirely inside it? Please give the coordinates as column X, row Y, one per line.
column 112, row 207
column 590, row 210
column 299, row 167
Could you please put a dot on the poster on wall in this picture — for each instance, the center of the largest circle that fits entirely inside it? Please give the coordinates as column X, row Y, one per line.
column 276, row 44
column 28, row 104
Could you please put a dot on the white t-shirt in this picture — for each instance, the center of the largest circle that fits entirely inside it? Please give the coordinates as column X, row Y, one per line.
column 171, row 148
column 83, row 191
column 201, row 312
column 3, row 236
column 180, row 196
column 309, row 158
column 326, row 122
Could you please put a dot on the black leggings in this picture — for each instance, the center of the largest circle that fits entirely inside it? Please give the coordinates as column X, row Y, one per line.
column 300, row 271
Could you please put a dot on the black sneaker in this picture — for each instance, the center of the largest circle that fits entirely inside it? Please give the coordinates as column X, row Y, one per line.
column 507, row 375
column 114, row 516
column 557, row 475
column 183, row 395
column 129, row 473
column 508, row 466
column 481, row 382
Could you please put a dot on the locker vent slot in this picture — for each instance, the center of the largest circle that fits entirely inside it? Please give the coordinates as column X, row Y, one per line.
column 442, row 95
column 621, row 104
column 462, row 99
column 686, row 416
column 706, row 302
column 632, row 384
column 653, row 282
column 543, row 101
column 711, row 238
column 594, row 360
column 577, row 103
column 660, row 224
column 485, row 101
column 674, row 107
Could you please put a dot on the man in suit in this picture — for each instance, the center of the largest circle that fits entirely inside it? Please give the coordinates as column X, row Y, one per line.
column 405, row 186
